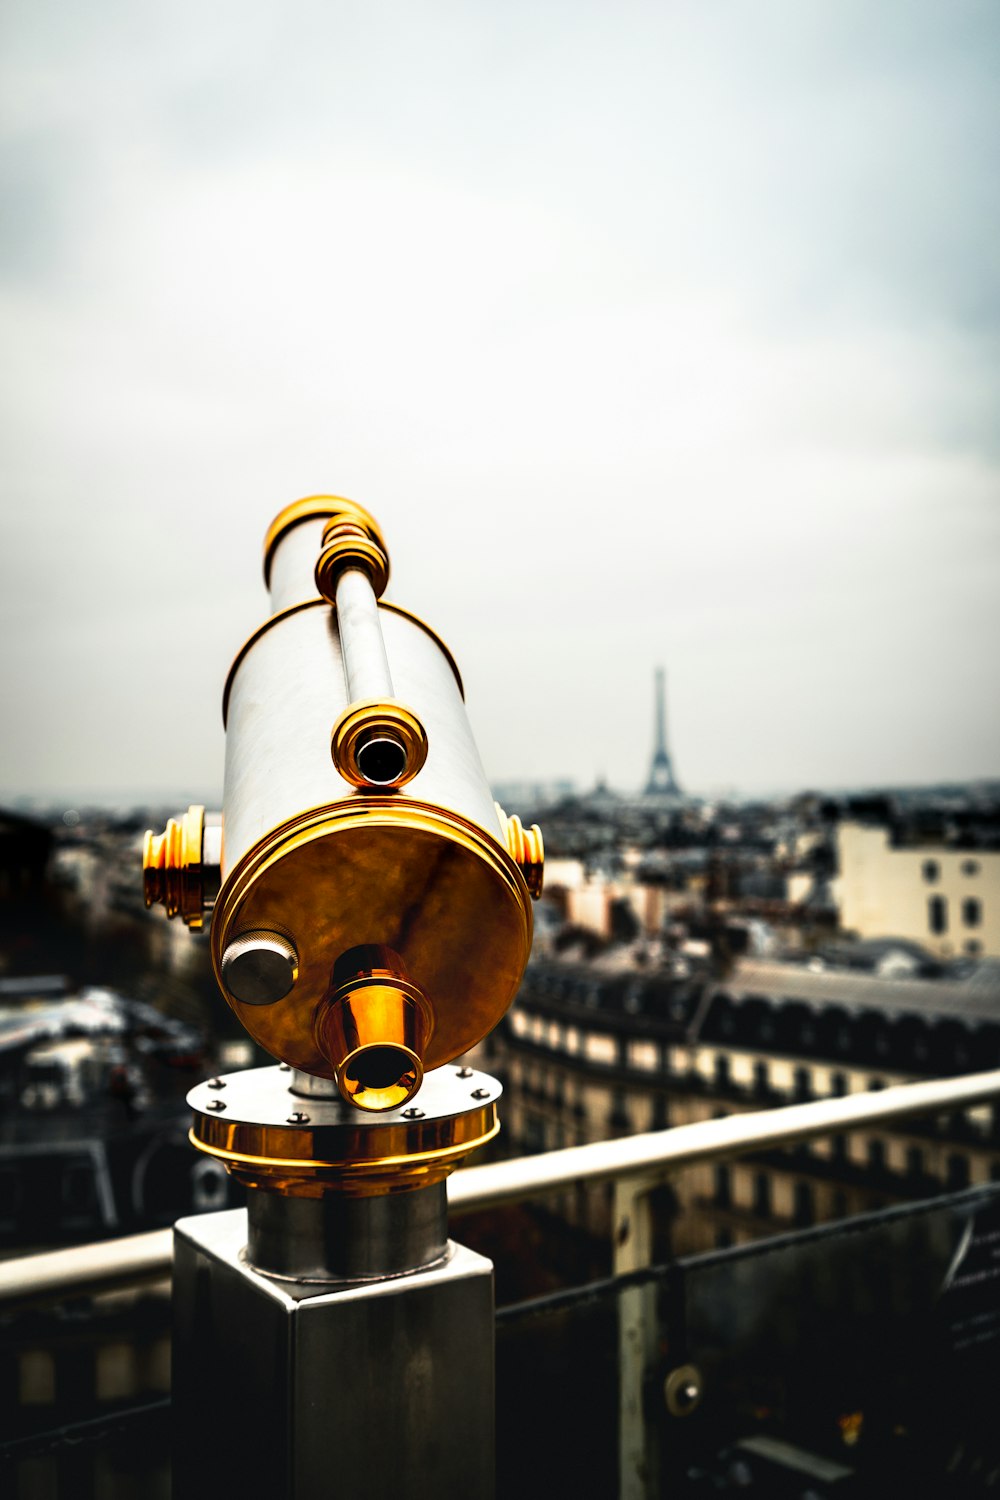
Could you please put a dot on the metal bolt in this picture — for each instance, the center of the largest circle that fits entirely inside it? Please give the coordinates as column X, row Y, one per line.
column 215, row 1104
column 464, row 1072
column 413, row 1113
column 480, row 1093
column 298, row 1118
column 216, row 1083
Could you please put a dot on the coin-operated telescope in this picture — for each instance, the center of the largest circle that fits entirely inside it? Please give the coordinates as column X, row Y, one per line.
column 370, row 923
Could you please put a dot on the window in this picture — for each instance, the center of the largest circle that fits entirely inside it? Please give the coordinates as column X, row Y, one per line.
column 876, row 1154
column 838, row 1085
column 10, row 1197
column 36, row 1378
column 970, row 867
column 761, row 1079
column 722, row 1070
column 914, row 1162
column 972, row 911
column 803, row 1084
column 803, row 1204
column 619, row 1119
column 77, row 1189
column 931, row 870
column 958, row 1172
column 762, row 1195
column 937, row 914
column 723, row 1193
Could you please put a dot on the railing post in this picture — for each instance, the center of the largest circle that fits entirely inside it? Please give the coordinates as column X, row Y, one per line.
column 633, row 1247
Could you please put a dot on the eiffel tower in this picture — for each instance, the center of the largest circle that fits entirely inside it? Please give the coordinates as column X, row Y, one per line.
column 662, row 782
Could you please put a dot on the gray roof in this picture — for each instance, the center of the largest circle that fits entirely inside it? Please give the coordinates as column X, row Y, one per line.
column 974, row 1000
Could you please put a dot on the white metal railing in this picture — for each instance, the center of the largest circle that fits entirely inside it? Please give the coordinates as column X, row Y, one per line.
column 142, row 1258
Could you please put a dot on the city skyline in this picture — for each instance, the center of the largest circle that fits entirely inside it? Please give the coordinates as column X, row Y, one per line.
column 678, row 327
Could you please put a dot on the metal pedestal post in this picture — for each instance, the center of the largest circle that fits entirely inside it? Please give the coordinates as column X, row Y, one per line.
column 287, row 1388
column 329, row 1340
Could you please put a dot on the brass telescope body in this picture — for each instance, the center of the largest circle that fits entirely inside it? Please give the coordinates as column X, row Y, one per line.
column 370, row 903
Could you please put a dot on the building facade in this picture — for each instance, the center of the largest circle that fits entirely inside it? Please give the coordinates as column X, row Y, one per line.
column 946, row 898
column 588, row 1056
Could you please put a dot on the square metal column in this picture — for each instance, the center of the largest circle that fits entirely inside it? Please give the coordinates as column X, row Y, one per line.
column 381, row 1391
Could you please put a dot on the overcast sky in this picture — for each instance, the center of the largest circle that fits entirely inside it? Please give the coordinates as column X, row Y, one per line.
column 652, row 334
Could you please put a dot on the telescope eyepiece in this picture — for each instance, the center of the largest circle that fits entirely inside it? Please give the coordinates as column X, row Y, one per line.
column 381, row 759
column 374, row 1028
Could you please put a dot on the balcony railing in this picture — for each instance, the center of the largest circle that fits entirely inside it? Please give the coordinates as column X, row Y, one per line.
column 758, row 1345
column 634, row 1163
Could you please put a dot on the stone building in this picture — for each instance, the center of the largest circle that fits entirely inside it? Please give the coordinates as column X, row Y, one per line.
column 588, row 1054
column 942, row 892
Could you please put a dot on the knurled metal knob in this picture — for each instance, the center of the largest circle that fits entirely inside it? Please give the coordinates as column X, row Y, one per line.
column 259, row 968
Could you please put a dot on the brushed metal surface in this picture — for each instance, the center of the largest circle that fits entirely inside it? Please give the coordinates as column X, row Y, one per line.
column 385, row 1390
column 266, row 1096
column 288, row 691
column 334, row 1238
column 293, row 564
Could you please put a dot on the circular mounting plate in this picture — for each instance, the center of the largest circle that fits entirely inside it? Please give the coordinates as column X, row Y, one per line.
column 268, row 1135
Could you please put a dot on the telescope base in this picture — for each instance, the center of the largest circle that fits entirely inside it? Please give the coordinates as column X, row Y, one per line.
column 374, row 1391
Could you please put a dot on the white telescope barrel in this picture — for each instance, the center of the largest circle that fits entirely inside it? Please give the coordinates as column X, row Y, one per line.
column 365, row 875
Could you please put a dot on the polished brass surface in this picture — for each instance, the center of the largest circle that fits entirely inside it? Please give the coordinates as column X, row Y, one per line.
column 270, row 1138
column 361, row 724
column 526, row 849
column 396, row 609
column 173, row 873
column 432, row 886
column 374, row 1029
column 347, row 546
column 317, row 507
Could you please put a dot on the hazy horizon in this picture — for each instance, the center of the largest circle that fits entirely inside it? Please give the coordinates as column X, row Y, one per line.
column 653, row 335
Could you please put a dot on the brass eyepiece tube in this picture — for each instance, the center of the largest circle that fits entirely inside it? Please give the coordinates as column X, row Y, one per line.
column 374, row 1029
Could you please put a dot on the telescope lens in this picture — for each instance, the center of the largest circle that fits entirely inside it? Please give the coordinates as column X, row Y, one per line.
column 379, row 1078
column 381, row 760
column 380, row 1067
